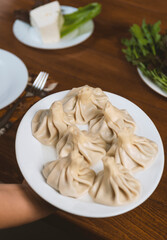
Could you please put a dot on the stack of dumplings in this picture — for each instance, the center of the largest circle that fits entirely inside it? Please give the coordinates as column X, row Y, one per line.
column 110, row 139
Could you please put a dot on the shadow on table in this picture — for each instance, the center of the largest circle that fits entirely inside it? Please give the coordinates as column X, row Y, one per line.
column 48, row 228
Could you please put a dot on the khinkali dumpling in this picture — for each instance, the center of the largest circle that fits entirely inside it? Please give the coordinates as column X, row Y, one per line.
column 99, row 125
column 110, row 121
column 49, row 125
column 114, row 185
column 84, row 103
column 132, row 151
column 70, row 99
column 118, row 119
column 91, row 146
column 70, row 175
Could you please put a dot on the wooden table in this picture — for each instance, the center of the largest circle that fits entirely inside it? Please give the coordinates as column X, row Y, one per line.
column 98, row 62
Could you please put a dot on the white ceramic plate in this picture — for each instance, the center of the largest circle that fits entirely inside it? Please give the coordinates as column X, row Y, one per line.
column 13, row 77
column 151, row 84
column 27, row 34
column 32, row 155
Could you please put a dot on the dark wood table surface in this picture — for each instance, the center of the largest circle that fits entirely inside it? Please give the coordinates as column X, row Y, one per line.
column 98, row 62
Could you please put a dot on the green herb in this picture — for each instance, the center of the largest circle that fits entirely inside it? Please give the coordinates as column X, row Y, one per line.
column 82, row 15
column 147, row 49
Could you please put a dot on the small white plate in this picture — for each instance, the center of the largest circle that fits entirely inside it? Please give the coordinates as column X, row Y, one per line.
column 27, row 34
column 13, row 77
column 152, row 85
column 32, row 155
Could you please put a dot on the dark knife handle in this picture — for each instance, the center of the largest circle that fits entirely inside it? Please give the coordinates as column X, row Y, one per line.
column 5, row 118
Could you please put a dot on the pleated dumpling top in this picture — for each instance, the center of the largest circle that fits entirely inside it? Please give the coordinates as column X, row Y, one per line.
column 132, row 151
column 114, row 185
column 84, row 103
column 110, row 122
column 91, row 146
column 49, row 125
column 118, row 119
column 71, row 175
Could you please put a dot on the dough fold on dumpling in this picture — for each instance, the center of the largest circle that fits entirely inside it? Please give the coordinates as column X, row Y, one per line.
column 43, row 128
column 118, row 119
column 132, row 151
column 84, row 103
column 49, row 125
column 114, row 185
column 91, row 146
column 70, row 175
column 110, row 122
column 100, row 126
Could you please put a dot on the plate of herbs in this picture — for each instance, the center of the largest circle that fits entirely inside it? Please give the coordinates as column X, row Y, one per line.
column 147, row 50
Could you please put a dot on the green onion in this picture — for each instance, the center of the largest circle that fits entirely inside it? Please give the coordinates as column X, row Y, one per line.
column 83, row 14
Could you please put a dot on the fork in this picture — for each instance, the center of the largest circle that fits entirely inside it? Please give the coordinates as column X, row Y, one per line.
column 33, row 90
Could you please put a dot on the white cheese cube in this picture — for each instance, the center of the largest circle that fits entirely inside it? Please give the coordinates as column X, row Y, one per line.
column 48, row 20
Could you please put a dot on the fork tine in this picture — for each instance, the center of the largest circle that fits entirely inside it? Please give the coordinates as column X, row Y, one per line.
column 40, row 81
column 34, row 90
column 44, row 81
column 35, row 83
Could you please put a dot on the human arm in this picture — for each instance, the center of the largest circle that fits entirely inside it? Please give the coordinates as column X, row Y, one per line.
column 20, row 205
